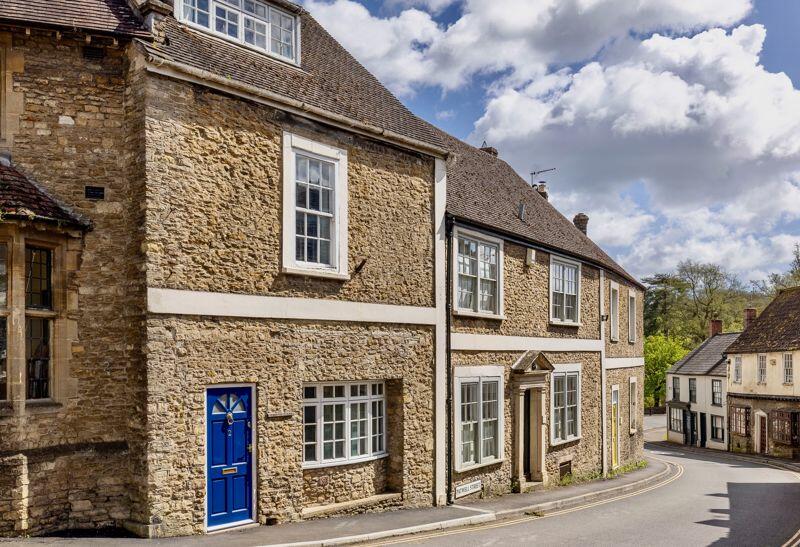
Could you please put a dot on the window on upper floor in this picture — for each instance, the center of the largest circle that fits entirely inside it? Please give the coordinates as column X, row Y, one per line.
column 632, row 317
column 479, row 416
column 614, row 312
column 737, row 369
column 692, row 390
column 762, row 369
column 565, row 404
column 676, row 388
column 314, row 208
column 564, row 291
column 716, row 392
column 788, row 369
column 479, row 274
column 255, row 24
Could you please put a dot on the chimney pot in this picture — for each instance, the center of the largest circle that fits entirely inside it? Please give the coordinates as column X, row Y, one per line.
column 715, row 327
column 581, row 222
column 749, row 316
column 542, row 189
column 491, row 150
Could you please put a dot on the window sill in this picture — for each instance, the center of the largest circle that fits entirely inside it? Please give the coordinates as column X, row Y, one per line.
column 560, row 442
column 555, row 323
column 323, row 274
column 42, row 406
column 788, row 384
column 343, row 463
column 472, row 467
column 478, row 315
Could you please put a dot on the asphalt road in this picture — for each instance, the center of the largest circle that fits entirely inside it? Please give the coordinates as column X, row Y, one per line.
column 716, row 501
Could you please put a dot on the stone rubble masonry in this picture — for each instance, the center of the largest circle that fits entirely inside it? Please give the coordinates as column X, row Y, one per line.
column 214, row 206
column 623, row 347
column 186, row 354
column 748, row 444
column 72, row 131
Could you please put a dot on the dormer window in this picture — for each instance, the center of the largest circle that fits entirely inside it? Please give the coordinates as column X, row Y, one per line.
column 254, row 24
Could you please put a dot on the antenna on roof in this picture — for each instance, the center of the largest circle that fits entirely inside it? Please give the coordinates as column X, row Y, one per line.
column 535, row 174
column 485, row 144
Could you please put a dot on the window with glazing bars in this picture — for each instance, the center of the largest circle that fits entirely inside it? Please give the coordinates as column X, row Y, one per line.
column 565, row 406
column 718, row 428
column 4, row 395
column 788, row 369
column 37, row 350
column 740, row 420
column 716, row 392
column 479, row 419
column 314, row 200
column 692, row 390
column 676, row 388
column 38, row 278
column 784, row 427
column 478, row 276
column 564, row 284
column 762, row 369
column 737, row 369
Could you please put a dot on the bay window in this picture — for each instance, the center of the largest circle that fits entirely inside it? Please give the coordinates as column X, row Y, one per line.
column 740, row 420
column 479, row 272
column 256, row 24
column 785, row 427
column 676, row 420
column 343, row 423
column 565, row 404
column 314, row 209
column 38, row 321
column 564, row 291
column 479, row 416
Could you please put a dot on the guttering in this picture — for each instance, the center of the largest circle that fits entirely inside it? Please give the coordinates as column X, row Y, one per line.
column 166, row 67
column 518, row 240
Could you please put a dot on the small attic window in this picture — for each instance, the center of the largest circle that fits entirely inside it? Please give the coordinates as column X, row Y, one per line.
column 251, row 23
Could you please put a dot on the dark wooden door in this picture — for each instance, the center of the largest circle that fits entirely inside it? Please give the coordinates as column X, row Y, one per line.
column 762, row 434
column 703, row 429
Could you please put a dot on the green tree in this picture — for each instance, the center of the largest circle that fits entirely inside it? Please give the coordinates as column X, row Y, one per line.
column 660, row 353
column 663, row 304
column 776, row 281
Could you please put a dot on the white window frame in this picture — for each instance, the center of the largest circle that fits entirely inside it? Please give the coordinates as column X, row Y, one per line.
column 479, row 374
column 721, row 419
column 555, row 259
column 614, row 309
column 292, row 146
column 631, row 316
column 788, row 369
column 737, row 369
column 481, row 238
column 183, row 16
column 717, row 382
column 633, row 404
column 672, row 419
column 761, row 359
column 320, row 401
column 565, row 370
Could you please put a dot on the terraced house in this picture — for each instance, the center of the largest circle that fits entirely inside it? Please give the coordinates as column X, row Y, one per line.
column 763, row 394
column 232, row 265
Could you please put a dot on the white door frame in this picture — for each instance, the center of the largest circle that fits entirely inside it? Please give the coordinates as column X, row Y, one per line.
column 758, row 414
column 253, row 457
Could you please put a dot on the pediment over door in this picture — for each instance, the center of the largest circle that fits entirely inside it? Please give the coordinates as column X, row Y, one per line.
column 532, row 362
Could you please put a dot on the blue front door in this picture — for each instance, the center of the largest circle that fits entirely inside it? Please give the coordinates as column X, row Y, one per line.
column 229, row 461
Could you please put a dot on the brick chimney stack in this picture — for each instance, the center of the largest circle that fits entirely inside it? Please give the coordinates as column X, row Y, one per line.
column 716, row 327
column 151, row 10
column 749, row 317
column 581, row 222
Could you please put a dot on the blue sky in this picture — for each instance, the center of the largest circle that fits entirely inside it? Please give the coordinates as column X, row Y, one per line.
column 675, row 125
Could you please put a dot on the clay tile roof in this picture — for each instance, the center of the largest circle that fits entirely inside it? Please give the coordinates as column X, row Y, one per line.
column 330, row 78
column 708, row 358
column 21, row 198
column 776, row 329
column 104, row 16
column 486, row 191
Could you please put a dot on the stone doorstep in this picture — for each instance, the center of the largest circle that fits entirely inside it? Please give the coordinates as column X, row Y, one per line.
column 322, row 510
column 529, row 487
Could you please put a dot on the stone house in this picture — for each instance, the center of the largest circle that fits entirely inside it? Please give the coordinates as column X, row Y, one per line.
column 763, row 396
column 228, row 254
column 697, row 407
column 546, row 335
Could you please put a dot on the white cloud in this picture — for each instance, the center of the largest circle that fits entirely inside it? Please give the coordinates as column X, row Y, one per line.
column 443, row 115
column 434, row 6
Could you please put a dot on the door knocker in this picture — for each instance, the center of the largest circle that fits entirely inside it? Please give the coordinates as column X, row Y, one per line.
column 229, row 418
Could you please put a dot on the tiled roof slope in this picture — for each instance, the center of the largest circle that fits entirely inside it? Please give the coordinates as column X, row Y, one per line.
column 330, row 79
column 106, row 16
column 708, row 358
column 485, row 190
column 776, row 329
column 20, row 198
